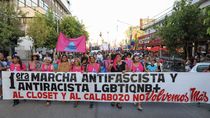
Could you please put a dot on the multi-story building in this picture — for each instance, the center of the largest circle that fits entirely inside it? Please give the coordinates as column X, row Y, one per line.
column 150, row 30
column 60, row 8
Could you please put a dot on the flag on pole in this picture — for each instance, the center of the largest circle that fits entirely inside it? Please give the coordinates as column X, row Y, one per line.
column 71, row 45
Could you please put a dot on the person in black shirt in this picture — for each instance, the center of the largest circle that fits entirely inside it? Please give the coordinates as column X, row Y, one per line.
column 118, row 66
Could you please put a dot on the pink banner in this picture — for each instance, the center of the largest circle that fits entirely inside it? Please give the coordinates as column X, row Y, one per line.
column 71, row 45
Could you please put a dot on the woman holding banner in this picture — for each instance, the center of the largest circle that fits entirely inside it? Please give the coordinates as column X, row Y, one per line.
column 64, row 65
column 77, row 68
column 94, row 68
column 137, row 67
column 34, row 64
column 118, row 66
column 47, row 67
column 17, row 65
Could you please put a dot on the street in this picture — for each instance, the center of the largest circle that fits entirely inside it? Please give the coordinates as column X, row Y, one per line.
column 38, row 109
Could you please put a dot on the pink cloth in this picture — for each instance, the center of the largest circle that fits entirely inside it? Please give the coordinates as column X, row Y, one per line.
column 93, row 67
column 128, row 62
column 138, row 68
column 71, row 45
column 107, row 63
column 77, row 69
column 47, row 68
column 16, row 67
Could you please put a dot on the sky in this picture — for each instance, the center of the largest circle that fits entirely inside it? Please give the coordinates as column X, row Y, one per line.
column 113, row 17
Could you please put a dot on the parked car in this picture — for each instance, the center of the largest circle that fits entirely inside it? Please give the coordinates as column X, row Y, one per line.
column 200, row 67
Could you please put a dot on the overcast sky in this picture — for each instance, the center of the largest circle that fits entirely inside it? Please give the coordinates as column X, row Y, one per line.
column 104, row 15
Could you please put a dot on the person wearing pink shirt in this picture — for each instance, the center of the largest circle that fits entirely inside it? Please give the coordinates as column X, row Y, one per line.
column 94, row 68
column 17, row 65
column 128, row 61
column 108, row 63
column 47, row 67
column 137, row 67
column 34, row 64
column 77, row 68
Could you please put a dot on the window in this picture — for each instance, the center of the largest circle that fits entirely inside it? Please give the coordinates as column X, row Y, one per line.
column 201, row 68
column 28, row 3
column 41, row 3
column 34, row 3
column 21, row 3
column 45, row 6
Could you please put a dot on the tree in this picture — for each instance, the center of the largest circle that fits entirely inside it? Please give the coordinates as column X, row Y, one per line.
column 9, row 26
column 71, row 27
column 183, row 28
column 42, row 29
column 207, row 19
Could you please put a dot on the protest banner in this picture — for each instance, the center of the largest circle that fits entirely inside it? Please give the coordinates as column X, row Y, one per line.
column 108, row 87
column 65, row 44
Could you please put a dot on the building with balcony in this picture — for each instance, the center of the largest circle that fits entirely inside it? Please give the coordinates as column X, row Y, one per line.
column 148, row 40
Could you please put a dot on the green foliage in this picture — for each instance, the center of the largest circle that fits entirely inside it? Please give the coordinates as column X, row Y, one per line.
column 71, row 27
column 207, row 19
column 42, row 29
column 9, row 25
column 184, row 26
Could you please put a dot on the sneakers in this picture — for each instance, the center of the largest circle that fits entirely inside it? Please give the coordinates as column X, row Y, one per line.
column 140, row 108
column 119, row 106
column 15, row 103
column 112, row 104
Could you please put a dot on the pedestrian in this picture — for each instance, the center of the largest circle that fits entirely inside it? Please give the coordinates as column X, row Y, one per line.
column 128, row 60
column 137, row 67
column 108, row 63
column 17, row 65
column 159, row 65
column 56, row 61
column 118, row 66
column 3, row 67
column 35, row 64
column 47, row 67
column 77, row 68
column 64, row 65
column 94, row 68
column 152, row 67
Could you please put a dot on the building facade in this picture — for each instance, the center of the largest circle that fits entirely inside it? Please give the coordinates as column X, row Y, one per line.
column 147, row 40
column 29, row 8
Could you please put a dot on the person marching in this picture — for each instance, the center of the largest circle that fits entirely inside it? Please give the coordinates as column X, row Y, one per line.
column 64, row 65
column 15, row 66
column 47, row 67
column 77, row 68
column 35, row 64
column 3, row 67
column 118, row 66
column 137, row 67
column 94, row 68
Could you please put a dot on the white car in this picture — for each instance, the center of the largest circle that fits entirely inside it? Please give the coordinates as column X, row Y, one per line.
column 200, row 67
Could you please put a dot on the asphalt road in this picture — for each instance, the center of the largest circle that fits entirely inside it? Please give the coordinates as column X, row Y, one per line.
column 38, row 109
